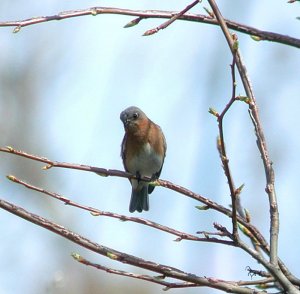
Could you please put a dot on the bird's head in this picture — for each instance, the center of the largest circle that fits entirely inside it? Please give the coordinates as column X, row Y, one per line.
column 131, row 117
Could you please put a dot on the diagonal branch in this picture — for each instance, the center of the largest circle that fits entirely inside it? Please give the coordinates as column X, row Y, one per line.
column 177, row 188
column 166, row 271
column 97, row 212
column 209, row 203
column 157, row 280
column 171, row 20
column 160, row 279
column 272, row 269
column 144, row 14
column 111, row 172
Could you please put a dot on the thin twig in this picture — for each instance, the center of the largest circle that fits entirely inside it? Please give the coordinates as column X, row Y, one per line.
column 270, row 187
column 253, row 109
column 167, row 184
column 166, row 271
column 258, row 282
column 270, row 183
column 97, row 212
column 224, row 157
column 273, row 270
column 160, row 279
column 209, row 203
column 144, row 14
column 208, row 234
column 171, row 20
column 156, row 279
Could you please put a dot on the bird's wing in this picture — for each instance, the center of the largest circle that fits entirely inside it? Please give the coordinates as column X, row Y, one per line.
column 123, row 154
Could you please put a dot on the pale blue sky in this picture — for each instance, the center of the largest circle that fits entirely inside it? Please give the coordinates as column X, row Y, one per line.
column 82, row 73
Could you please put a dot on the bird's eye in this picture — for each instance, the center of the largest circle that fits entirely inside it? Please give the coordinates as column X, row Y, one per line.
column 135, row 115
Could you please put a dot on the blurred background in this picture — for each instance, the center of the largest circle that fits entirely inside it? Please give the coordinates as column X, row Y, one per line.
column 62, row 87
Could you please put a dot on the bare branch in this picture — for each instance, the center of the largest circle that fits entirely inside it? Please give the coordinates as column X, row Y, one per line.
column 209, row 203
column 115, row 255
column 278, row 274
column 156, row 279
column 224, row 157
column 100, row 171
column 109, row 172
column 273, row 270
column 144, row 14
column 97, row 212
column 270, row 189
column 171, row 20
column 160, row 279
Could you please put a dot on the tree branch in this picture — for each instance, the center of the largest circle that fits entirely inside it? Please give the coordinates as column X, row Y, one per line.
column 111, row 172
column 97, row 212
column 274, row 265
column 224, row 157
column 156, row 279
column 270, row 187
column 144, row 14
column 159, row 279
column 115, row 255
column 273, row 269
column 171, row 20
column 209, row 203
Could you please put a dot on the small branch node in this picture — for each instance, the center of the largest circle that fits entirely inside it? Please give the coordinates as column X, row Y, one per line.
column 213, row 112
column 94, row 11
column 17, row 29
column 11, row 178
column 48, row 166
column 112, row 256
column 133, row 22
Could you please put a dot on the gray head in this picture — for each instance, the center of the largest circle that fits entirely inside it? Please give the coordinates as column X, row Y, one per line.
column 131, row 116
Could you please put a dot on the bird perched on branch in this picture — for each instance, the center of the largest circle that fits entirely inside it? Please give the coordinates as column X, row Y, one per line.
column 143, row 153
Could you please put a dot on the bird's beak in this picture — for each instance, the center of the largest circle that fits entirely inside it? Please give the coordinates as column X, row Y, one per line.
column 124, row 118
column 126, row 122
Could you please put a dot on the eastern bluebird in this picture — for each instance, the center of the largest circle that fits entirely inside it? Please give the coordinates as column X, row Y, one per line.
column 143, row 153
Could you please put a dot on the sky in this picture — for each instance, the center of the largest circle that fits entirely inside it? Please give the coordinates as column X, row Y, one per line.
column 63, row 86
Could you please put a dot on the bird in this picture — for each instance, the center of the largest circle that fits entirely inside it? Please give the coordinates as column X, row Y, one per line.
column 143, row 152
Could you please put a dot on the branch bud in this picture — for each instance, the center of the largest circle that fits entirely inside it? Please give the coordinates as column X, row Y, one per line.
column 77, row 256
column 255, row 38
column 150, row 32
column 133, row 22
column 248, row 216
column 102, row 174
column 209, row 12
column 48, row 166
column 17, row 29
column 112, row 256
column 95, row 213
column 9, row 148
column 239, row 189
column 213, row 112
column 202, row 207
column 11, row 178
column 244, row 99
column 94, row 11
column 235, row 42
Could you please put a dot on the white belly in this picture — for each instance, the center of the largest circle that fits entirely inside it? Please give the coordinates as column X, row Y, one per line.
column 147, row 162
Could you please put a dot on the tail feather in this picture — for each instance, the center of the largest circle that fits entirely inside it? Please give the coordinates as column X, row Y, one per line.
column 139, row 200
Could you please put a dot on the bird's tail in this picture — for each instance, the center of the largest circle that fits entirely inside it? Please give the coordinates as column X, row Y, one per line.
column 139, row 199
